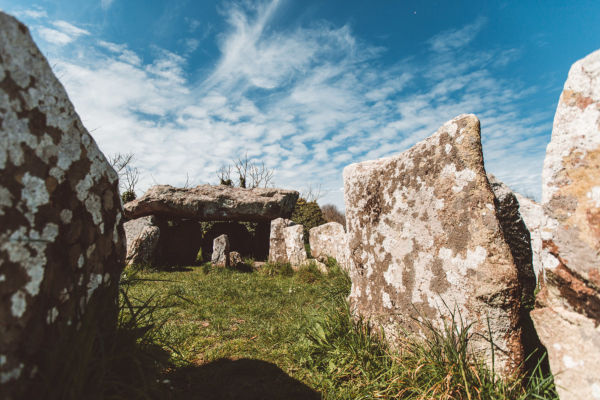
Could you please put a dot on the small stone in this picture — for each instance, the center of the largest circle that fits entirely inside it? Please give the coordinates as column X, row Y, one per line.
column 142, row 236
column 294, row 245
column 235, row 259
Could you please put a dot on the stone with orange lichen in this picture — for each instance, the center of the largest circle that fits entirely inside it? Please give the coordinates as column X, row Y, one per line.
column 567, row 314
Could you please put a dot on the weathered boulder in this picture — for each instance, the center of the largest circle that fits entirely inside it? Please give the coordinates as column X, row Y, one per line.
column 220, row 253
column 329, row 240
column 142, row 236
column 277, row 245
column 567, row 314
column 533, row 216
column 294, row 245
column 214, row 203
column 425, row 240
column 235, row 259
column 62, row 245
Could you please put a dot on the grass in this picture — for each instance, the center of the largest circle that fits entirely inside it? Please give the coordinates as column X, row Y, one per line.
column 291, row 334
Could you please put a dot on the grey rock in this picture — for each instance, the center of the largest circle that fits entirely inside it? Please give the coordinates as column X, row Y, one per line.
column 214, row 203
column 329, row 240
column 62, row 245
column 235, row 259
column 294, row 245
column 425, row 240
column 277, row 246
column 142, row 236
column 220, row 254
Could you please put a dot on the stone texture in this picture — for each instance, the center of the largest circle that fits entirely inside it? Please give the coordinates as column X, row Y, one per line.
column 294, row 245
column 62, row 244
column 214, row 203
column 142, row 236
column 329, row 240
column 567, row 314
column 235, row 259
column 277, row 246
column 425, row 237
column 533, row 216
column 220, row 253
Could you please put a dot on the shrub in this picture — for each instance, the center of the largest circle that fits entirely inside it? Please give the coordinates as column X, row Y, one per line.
column 308, row 214
column 128, row 196
column 332, row 214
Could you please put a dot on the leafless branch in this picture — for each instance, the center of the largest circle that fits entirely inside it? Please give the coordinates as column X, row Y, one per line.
column 311, row 193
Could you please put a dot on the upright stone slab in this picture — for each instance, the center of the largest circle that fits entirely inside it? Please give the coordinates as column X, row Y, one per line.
column 533, row 216
column 294, row 245
column 220, row 253
column 424, row 236
column 329, row 240
column 277, row 246
column 61, row 238
column 142, row 236
column 567, row 314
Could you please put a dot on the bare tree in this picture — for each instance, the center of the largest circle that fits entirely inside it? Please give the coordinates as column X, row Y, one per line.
column 332, row 214
column 250, row 174
column 129, row 175
column 312, row 193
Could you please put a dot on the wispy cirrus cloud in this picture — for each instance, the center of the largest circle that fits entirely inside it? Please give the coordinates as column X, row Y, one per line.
column 307, row 101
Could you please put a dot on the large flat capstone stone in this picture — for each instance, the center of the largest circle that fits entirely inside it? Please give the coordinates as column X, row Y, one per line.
column 425, row 239
column 567, row 314
column 214, row 203
column 62, row 245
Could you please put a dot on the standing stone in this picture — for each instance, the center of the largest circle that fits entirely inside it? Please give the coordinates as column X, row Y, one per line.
column 567, row 314
column 61, row 238
column 277, row 245
column 294, row 245
column 425, row 239
column 220, row 253
column 533, row 217
column 329, row 240
column 142, row 236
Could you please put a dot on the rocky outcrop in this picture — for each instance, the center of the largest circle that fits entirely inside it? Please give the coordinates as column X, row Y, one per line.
column 142, row 236
column 425, row 240
column 277, row 246
column 294, row 245
column 214, row 203
column 61, row 238
column 533, row 216
column 567, row 314
column 329, row 240
column 220, row 253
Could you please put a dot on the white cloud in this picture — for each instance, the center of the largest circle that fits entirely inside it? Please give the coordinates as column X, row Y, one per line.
column 307, row 101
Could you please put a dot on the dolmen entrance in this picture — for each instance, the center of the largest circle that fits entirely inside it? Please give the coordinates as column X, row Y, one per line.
column 171, row 226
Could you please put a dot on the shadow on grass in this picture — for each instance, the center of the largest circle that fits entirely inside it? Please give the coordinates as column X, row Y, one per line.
column 243, row 379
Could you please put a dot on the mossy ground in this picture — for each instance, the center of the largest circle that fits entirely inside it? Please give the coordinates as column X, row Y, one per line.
column 275, row 333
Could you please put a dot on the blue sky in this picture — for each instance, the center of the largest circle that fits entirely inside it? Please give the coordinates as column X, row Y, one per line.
column 308, row 86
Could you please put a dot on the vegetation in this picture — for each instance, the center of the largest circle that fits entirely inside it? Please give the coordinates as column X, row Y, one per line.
column 332, row 214
column 206, row 332
column 308, row 214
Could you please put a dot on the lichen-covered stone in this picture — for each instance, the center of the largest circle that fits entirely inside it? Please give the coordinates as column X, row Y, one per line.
column 142, row 236
column 425, row 239
column 214, row 203
column 567, row 314
column 329, row 240
column 533, row 216
column 294, row 245
column 235, row 259
column 277, row 247
column 220, row 253
column 61, row 238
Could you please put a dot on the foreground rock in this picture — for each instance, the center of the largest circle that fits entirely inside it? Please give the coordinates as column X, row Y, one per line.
column 533, row 216
column 277, row 245
column 294, row 245
column 220, row 253
column 425, row 239
column 61, row 240
column 214, row 203
column 142, row 236
column 329, row 240
column 567, row 315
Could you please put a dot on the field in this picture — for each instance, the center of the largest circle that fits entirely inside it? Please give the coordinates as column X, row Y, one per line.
column 212, row 333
